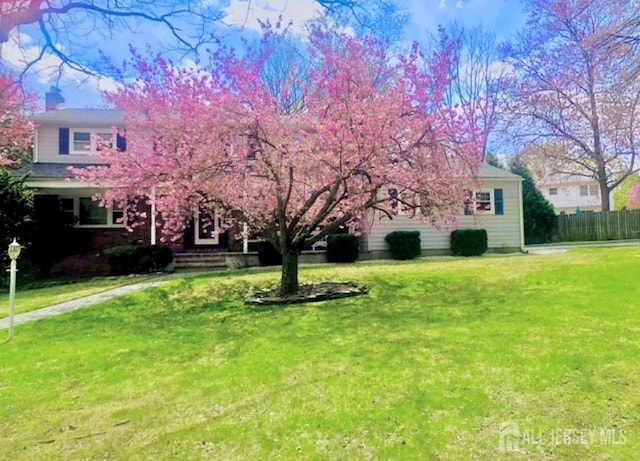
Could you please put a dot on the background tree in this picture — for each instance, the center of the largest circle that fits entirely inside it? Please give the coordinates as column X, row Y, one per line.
column 572, row 88
column 634, row 196
column 477, row 75
column 622, row 194
column 16, row 207
column 224, row 141
column 539, row 215
column 16, row 132
column 69, row 30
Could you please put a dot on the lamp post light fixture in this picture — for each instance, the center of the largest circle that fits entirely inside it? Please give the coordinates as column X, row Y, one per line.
column 14, row 252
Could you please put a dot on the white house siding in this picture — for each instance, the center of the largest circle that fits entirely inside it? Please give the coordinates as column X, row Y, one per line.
column 49, row 123
column 503, row 231
column 48, row 145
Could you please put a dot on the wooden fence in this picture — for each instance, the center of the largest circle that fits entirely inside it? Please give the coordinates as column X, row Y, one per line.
column 606, row 225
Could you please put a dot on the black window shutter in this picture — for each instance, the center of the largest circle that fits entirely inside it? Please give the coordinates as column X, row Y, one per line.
column 63, row 141
column 121, row 142
column 499, row 201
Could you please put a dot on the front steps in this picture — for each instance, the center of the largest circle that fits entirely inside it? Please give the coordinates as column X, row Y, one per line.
column 200, row 262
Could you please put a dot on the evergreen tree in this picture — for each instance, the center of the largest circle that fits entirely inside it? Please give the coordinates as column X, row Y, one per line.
column 539, row 215
column 16, row 208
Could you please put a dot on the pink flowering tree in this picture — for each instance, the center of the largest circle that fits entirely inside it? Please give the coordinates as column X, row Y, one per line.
column 294, row 157
column 16, row 132
column 634, row 196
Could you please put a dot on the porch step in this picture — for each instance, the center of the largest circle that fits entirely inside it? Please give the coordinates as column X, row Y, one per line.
column 200, row 261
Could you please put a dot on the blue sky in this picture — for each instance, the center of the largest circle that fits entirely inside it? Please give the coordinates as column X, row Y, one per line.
column 501, row 16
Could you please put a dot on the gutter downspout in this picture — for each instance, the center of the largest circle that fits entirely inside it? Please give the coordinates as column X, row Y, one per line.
column 521, row 216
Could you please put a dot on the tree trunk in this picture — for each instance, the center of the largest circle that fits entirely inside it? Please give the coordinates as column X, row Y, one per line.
column 604, row 193
column 289, row 281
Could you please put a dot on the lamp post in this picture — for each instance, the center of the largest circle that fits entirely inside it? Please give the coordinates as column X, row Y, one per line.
column 14, row 252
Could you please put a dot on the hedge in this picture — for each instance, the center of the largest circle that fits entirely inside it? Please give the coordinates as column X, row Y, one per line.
column 404, row 244
column 468, row 242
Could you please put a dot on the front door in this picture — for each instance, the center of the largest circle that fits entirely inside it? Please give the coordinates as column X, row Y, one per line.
column 207, row 230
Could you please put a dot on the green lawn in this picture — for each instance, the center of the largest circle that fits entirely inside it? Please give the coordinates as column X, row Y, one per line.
column 31, row 299
column 428, row 366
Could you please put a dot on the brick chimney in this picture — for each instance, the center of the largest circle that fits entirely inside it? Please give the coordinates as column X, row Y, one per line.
column 53, row 99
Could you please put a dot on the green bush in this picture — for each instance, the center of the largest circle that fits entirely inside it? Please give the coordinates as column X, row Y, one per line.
column 342, row 248
column 131, row 259
column 404, row 244
column 268, row 255
column 468, row 242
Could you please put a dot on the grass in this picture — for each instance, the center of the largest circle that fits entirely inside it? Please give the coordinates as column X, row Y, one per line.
column 428, row 366
column 36, row 298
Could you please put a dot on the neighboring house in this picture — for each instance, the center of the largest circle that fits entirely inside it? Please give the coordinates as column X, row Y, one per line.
column 66, row 137
column 570, row 194
column 496, row 206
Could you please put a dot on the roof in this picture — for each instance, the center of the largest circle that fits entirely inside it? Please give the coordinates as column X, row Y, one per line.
column 489, row 171
column 48, row 170
column 85, row 116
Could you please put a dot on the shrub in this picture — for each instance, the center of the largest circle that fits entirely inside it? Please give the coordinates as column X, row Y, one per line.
column 268, row 255
column 404, row 244
column 161, row 256
column 468, row 242
column 81, row 266
column 342, row 248
column 130, row 259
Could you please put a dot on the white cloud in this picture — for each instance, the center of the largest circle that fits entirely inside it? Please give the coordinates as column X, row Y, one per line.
column 460, row 4
column 248, row 13
column 443, row 4
column 49, row 70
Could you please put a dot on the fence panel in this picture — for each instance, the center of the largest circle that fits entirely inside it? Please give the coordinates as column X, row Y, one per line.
column 605, row 225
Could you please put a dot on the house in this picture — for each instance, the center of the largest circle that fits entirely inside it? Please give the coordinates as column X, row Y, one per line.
column 67, row 137
column 572, row 194
column 496, row 206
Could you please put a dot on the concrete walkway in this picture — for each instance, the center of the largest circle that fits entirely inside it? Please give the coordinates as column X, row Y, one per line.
column 554, row 248
column 76, row 304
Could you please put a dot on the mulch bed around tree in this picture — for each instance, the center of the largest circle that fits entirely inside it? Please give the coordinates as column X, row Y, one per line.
column 308, row 293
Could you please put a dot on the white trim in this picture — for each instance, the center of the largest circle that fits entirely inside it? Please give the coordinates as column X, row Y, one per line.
column 36, row 153
column 492, row 197
column 94, row 133
column 521, row 206
column 111, row 224
column 59, row 184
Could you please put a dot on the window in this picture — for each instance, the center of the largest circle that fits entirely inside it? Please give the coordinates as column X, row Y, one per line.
column 553, row 191
column 488, row 201
column 88, row 141
column 68, row 210
column 83, row 211
column 591, row 189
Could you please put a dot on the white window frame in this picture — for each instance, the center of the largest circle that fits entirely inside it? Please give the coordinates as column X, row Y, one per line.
column 492, row 202
column 111, row 221
column 94, row 133
column 214, row 239
column 584, row 191
column 593, row 190
column 553, row 191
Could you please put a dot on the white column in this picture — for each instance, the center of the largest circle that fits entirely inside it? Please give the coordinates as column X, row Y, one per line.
column 153, row 215
column 245, row 238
